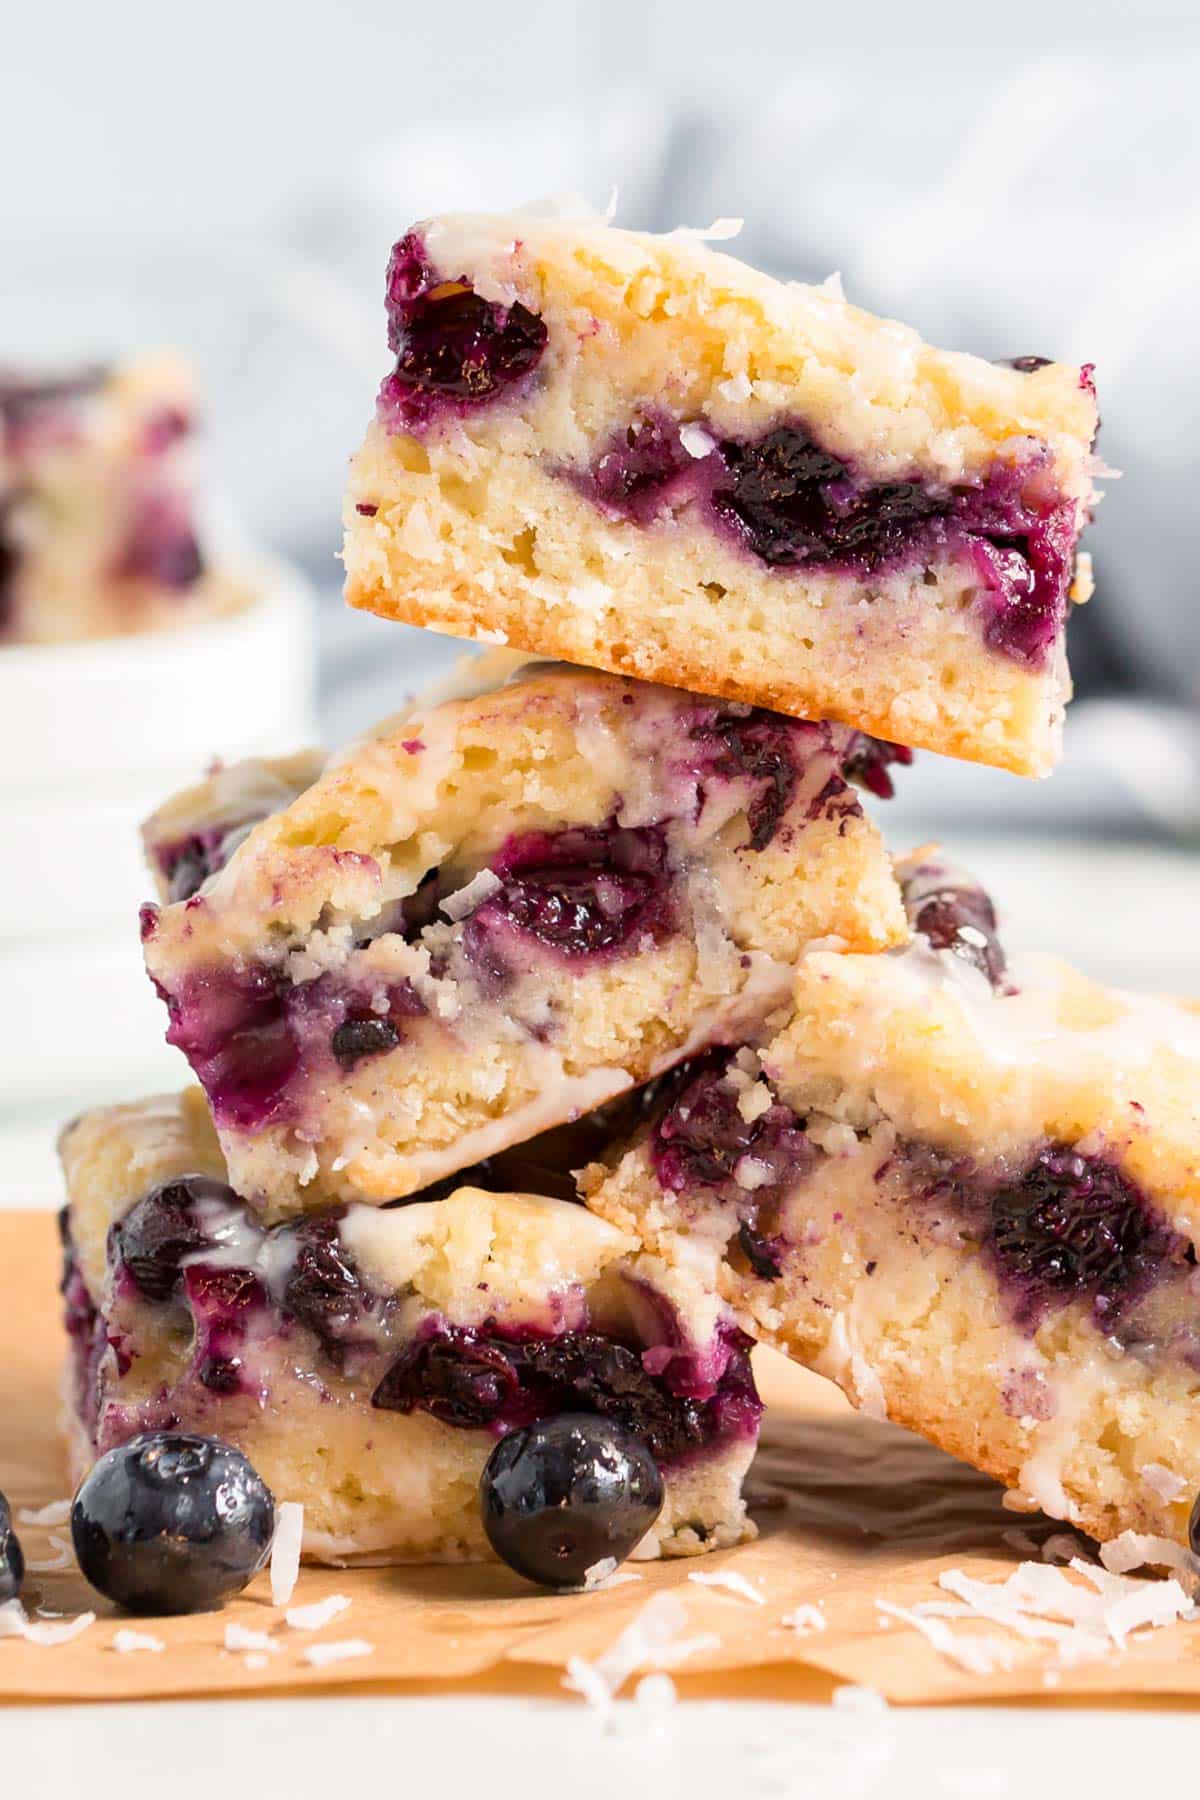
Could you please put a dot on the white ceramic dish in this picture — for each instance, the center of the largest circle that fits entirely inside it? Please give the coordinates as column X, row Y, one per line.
column 82, row 1023
column 76, row 714
column 92, row 737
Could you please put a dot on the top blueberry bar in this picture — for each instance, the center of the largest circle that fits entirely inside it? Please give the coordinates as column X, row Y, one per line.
column 634, row 452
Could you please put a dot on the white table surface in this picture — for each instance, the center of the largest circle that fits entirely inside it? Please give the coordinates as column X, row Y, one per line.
column 505, row 1749
column 1125, row 911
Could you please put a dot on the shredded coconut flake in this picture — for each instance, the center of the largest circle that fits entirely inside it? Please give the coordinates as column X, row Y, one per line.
column 620, row 1578
column 737, row 388
column 465, row 900
column 285, row 1551
column 586, row 1681
column 1135, row 1549
column 696, row 441
column 863, row 1702
column 805, row 1619
column 643, row 1644
column 125, row 1642
column 63, row 1557
column 1036, row 1603
column 55, row 1512
column 1084, row 1619
column 655, row 1697
column 417, row 535
column 1163, row 1482
column 241, row 1637
column 1158, row 1603
column 977, row 1655
column 842, row 1748
column 754, row 1101
column 1061, row 1547
column 719, row 232
column 843, row 1361
column 15, row 1623
column 752, row 1173
column 344, row 1651
column 672, row 1655
column 600, row 1572
column 729, row 1579
column 1099, row 470
column 255, row 1660
column 319, row 1614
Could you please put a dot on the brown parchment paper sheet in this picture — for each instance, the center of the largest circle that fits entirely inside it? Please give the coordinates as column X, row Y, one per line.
column 849, row 1511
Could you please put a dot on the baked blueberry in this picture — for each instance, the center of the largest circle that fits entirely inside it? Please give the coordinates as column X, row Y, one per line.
column 1073, row 1226
column 172, row 1522
column 561, row 1496
column 703, row 1135
column 12, row 1562
column 325, row 1289
column 948, row 908
column 451, row 345
column 585, row 891
column 795, row 503
column 362, row 1034
column 176, row 1219
column 637, row 469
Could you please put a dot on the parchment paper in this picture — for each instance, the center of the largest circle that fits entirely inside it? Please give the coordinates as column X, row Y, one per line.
column 850, row 1511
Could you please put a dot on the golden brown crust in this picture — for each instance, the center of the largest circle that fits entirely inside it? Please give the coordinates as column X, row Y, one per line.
column 479, row 616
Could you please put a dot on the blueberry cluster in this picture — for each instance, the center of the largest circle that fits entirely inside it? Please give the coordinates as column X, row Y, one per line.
column 791, row 503
column 485, row 1377
column 453, row 348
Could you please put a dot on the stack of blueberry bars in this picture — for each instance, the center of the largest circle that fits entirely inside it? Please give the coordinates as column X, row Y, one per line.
column 574, row 1031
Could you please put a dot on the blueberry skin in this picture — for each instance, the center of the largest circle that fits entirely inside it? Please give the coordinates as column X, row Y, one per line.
column 172, row 1523
column 1194, row 1527
column 12, row 1562
column 562, row 1495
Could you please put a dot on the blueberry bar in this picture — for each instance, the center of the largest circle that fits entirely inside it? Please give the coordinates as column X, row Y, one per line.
column 195, row 832
column 636, row 453
column 499, row 912
column 98, row 531
column 367, row 1360
column 968, row 1190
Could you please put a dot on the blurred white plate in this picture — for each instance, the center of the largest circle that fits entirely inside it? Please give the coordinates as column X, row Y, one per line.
column 94, row 735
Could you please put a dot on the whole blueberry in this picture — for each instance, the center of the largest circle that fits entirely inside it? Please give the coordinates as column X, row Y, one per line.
column 12, row 1563
column 561, row 1496
column 172, row 1523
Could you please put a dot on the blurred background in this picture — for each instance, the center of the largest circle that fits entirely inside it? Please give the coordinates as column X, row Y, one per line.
column 228, row 180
